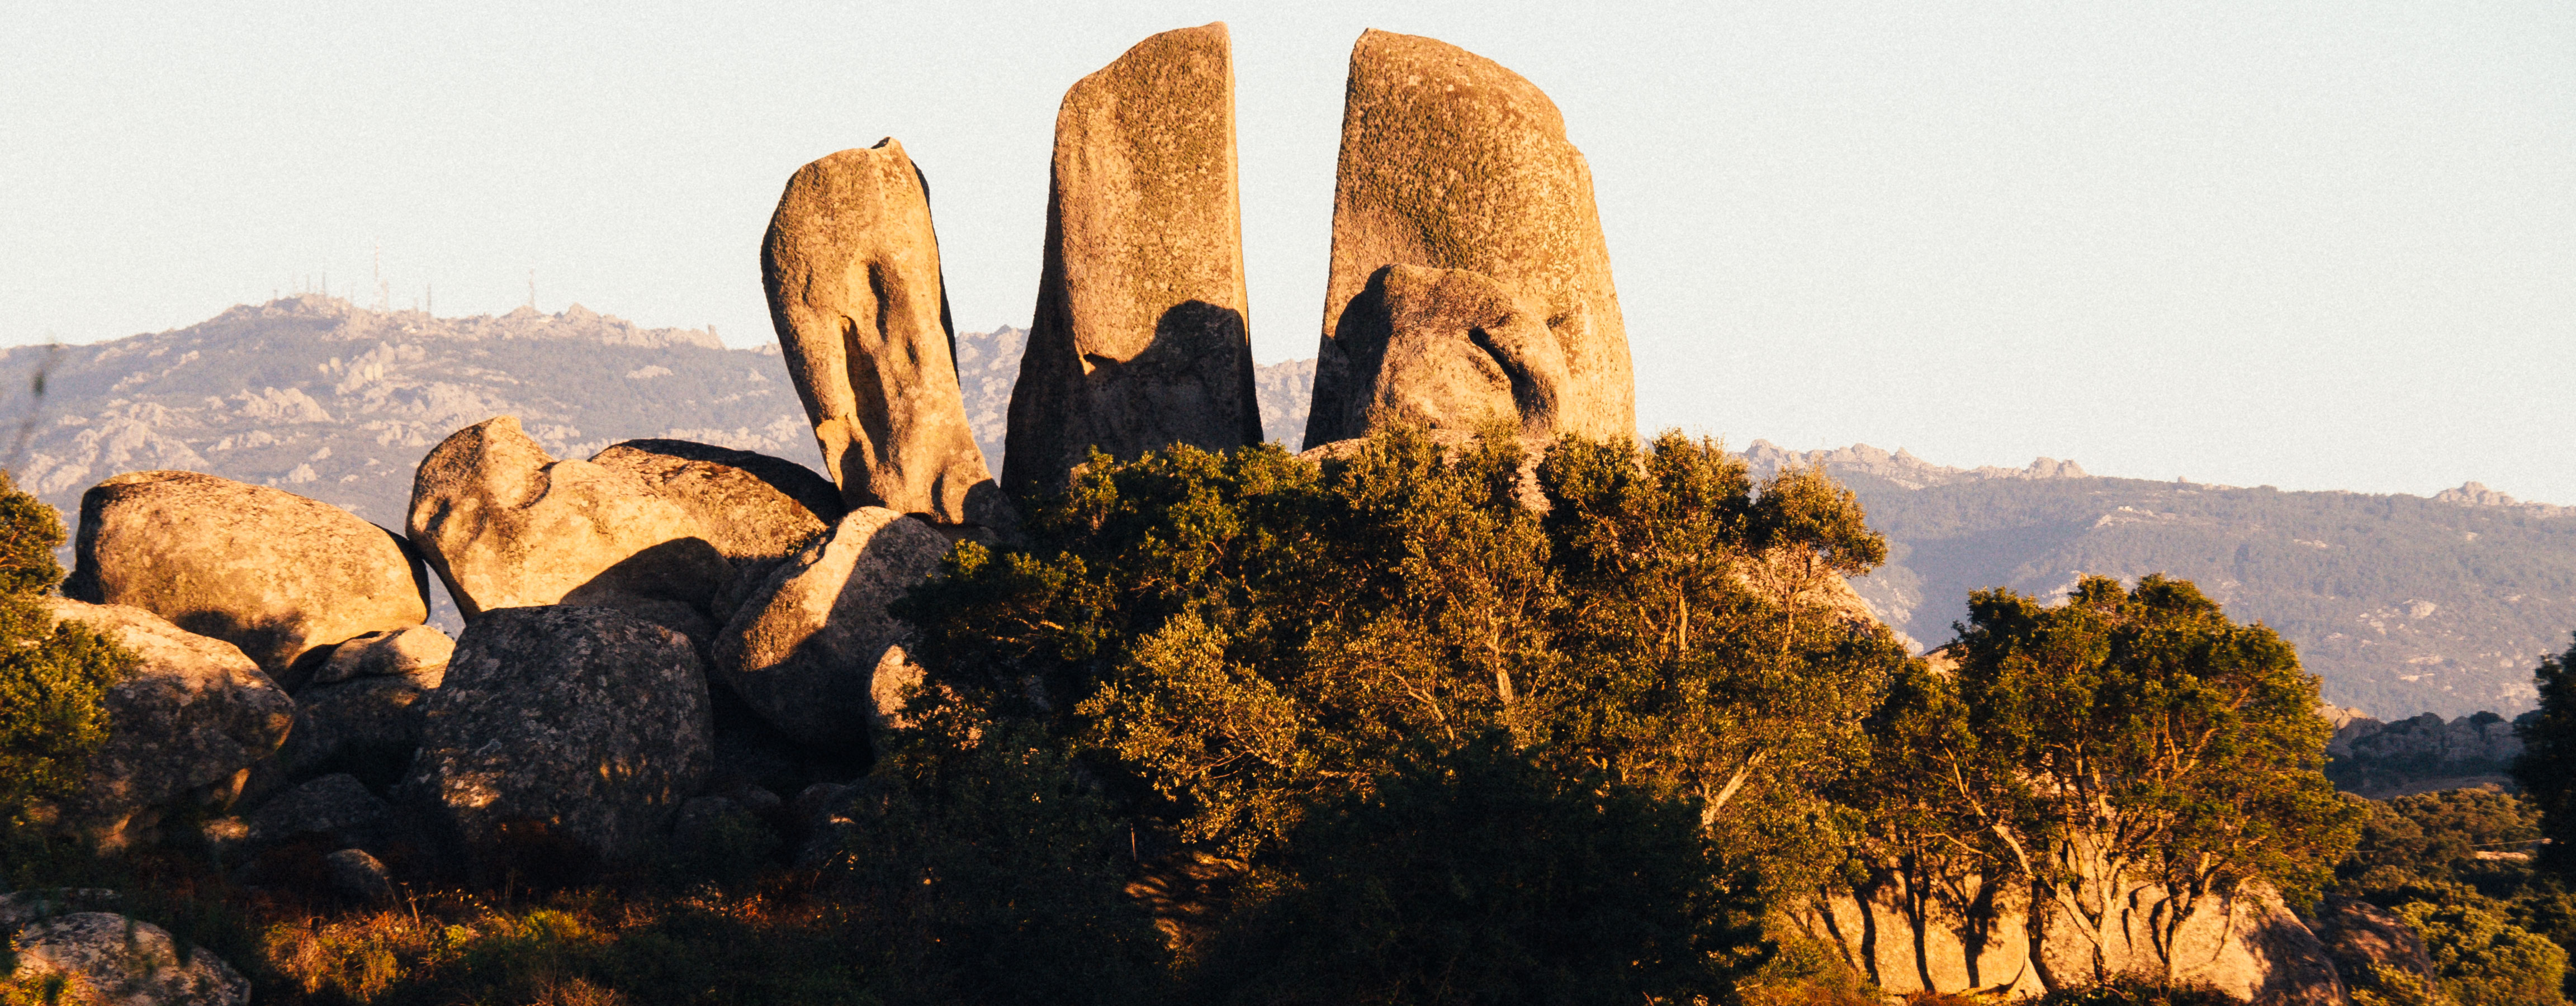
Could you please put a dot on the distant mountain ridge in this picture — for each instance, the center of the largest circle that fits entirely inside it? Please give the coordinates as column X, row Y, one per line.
column 2403, row 604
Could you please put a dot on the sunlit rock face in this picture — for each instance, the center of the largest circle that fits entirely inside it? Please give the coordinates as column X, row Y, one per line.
column 1140, row 339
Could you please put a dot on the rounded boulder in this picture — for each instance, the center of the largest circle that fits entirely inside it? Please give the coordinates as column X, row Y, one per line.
column 579, row 729
column 273, row 573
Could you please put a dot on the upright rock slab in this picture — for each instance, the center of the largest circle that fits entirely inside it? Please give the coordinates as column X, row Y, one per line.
column 276, row 574
column 1141, row 337
column 568, row 725
column 191, row 717
column 508, row 526
column 813, row 650
column 1452, row 162
column 852, row 269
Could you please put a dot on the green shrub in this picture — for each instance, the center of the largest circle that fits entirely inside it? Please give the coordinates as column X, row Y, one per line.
column 2134, row 991
column 2484, row 960
column 52, row 676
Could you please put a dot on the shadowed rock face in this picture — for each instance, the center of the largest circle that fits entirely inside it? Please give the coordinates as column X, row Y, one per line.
column 508, row 526
column 1444, row 349
column 1450, row 161
column 581, row 726
column 191, row 716
column 268, row 571
column 813, row 650
column 1140, row 339
column 852, row 270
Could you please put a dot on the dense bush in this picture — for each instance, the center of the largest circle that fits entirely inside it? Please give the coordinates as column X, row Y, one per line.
column 52, row 676
column 1479, row 876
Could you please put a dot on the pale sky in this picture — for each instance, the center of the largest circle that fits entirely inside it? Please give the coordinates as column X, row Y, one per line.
column 2319, row 246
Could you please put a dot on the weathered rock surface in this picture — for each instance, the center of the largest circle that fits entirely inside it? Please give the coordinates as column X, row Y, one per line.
column 755, row 508
column 266, row 570
column 584, row 724
column 1141, row 338
column 814, row 647
column 127, row 962
column 508, row 526
column 2359, row 936
column 366, row 726
column 1450, row 161
column 2250, row 946
column 358, row 875
column 411, row 650
column 851, row 264
column 337, row 805
column 1442, row 349
column 18, row 908
column 190, row 719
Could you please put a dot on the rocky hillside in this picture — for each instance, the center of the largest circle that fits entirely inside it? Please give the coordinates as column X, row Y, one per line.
column 2402, row 604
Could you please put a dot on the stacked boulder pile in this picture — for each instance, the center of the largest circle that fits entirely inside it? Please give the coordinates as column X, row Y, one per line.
column 669, row 633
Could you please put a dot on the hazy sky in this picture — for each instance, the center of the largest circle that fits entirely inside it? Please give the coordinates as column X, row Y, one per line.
column 2319, row 246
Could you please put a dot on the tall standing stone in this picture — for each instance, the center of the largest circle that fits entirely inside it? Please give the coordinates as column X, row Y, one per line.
column 1141, row 338
column 1450, row 161
column 852, row 269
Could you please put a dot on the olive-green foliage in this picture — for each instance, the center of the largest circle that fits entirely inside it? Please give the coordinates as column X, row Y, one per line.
column 2482, row 959
column 2547, row 770
column 1232, row 639
column 2424, row 850
column 2125, row 738
column 989, row 874
column 1480, row 875
column 52, row 677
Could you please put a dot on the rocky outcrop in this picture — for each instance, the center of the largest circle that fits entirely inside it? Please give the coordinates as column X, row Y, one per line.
column 187, row 721
column 127, row 962
column 852, row 269
column 268, row 571
column 583, row 728
column 1450, row 161
column 814, row 651
column 1140, row 339
column 2250, row 946
column 1442, row 349
column 508, row 526
column 2480, row 742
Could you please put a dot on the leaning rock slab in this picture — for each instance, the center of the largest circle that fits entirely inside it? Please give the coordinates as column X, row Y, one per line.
column 1443, row 349
column 852, row 269
column 508, row 526
column 273, row 573
column 1141, row 337
column 584, row 724
column 1450, row 161
column 127, row 962
column 810, row 649
column 755, row 508
column 367, row 726
column 192, row 716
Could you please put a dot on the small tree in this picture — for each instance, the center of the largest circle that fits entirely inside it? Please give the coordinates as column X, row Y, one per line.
column 2127, row 748
column 2547, row 769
